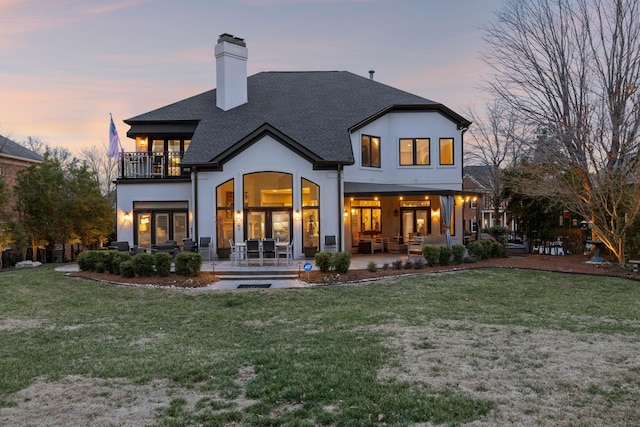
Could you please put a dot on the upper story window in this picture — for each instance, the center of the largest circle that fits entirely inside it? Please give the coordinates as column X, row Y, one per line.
column 414, row 151
column 446, row 151
column 371, row 151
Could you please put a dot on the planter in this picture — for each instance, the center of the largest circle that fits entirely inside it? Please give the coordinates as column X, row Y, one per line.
column 223, row 253
column 310, row 251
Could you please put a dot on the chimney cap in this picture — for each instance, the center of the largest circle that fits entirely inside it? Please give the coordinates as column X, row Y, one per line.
column 230, row 38
column 371, row 74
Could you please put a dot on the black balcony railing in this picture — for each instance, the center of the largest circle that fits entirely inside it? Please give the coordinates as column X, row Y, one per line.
column 134, row 165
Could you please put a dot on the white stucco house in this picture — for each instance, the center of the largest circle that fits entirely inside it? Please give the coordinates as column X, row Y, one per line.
column 292, row 155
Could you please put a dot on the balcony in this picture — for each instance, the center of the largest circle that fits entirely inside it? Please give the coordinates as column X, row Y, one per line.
column 143, row 165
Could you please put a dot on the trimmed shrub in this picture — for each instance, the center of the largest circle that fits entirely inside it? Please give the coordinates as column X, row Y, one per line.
column 342, row 261
column 497, row 249
column 446, row 253
column 431, row 253
column 408, row 264
column 163, row 263
column 188, row 264
column 100, row 267
column 418, row 264
column 126, row 269
column 397, row 264
column 487, row 244
column 143, row 264
column 477, row 250
column 118, row 259
column 107, row 259
column 324, row 261
column 458, row 253
column 372, row 267
column 385, row 266
column 87, row 260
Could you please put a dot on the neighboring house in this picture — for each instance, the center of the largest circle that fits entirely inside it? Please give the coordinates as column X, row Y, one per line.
column 480, row 211
column 14, row 158
column 292, row 155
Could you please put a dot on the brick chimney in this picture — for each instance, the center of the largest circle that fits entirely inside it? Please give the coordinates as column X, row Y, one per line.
column 231, row 72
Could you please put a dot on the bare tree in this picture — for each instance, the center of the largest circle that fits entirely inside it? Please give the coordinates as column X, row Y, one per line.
column 62, row 154
column 34, row 144
column 573, row 68
column 497, row 140
column 104, row 167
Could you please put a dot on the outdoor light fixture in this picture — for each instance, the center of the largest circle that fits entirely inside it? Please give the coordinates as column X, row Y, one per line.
column 296, row 215
column 238, row 216
column 346, row 213
column 127, row 216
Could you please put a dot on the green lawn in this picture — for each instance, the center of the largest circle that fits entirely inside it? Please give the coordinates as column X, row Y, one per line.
column 355, row 355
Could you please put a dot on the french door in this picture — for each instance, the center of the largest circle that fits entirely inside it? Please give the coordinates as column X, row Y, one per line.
column 268, row 223
column 416, row 221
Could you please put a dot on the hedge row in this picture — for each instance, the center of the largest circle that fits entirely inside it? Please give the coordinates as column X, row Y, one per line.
column 483, row 249
column 142, row 264
column 443, row 254
column 446, row 255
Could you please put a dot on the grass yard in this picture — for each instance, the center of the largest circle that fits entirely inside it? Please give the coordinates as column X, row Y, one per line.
column 482, row 347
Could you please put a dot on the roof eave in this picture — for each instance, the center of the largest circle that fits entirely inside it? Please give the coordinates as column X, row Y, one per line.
column 460, row 121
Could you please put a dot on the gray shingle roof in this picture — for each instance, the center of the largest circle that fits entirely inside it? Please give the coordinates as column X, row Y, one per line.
column 13, row 149
column 480, row 174
column 314, row 110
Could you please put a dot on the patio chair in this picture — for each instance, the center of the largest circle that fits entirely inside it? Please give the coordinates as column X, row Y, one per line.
column 330, row 244
column 123, row 246
column 189, row 246
column 287, row 250
column 269, row 250
column 254, row 249
column 236, row 252
column 205, row 245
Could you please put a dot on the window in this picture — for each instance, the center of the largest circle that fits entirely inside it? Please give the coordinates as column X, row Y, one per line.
column 224, row 216
column 366, row 216
column 310, row 214
column 371, row 151
column 446, row 151
column 268, row 204
column 414, row 151
column 157, row 222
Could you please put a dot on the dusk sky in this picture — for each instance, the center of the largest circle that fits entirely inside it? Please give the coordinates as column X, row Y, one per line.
column 67, row 64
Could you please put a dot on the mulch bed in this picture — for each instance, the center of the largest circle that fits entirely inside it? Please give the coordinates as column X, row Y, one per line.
column 576, row 264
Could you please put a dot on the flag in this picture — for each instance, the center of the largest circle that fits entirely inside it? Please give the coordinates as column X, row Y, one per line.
column 114, row 140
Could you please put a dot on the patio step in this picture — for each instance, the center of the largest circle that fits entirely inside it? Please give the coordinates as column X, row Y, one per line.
column 257, row 275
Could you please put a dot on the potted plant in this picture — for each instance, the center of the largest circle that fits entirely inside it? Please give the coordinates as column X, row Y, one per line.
column 223, row 252
column 309, row 251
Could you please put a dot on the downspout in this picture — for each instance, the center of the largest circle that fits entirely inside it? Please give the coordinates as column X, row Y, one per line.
column 464, row 129
column 341, row 204
column 195, row 203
